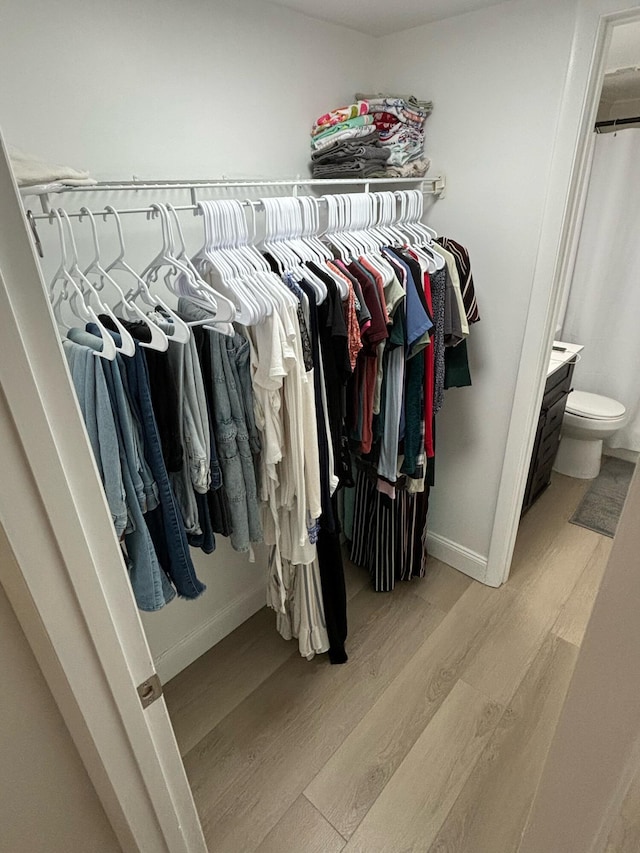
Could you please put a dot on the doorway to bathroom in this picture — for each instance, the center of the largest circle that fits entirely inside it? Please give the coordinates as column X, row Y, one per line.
column 587, row 439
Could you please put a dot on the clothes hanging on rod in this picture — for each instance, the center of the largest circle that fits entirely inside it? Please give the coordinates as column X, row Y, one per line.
column 204, row 410
column 313, row 410
column 414, row 348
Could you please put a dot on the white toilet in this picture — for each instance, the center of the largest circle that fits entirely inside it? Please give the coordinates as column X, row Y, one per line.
column 588, row 419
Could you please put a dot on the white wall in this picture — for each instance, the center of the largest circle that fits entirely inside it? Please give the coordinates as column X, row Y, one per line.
column 496, row 78
column 165, row 89
column 184, row 630
column 624, row 49
column 48, row 804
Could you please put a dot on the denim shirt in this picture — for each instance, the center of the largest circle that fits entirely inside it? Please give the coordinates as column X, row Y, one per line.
column 166, row 527
column 169, row 535
column 91, row 390
column 150, row 586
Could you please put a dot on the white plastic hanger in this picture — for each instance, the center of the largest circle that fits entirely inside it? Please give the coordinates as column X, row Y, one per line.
column 275, row 233
column 142, row 292
column 159, row 340
column 311, row 227
column 298, row 227
column 196, row 288
column 333, row 233
column 210, row 260
column 85, row 312
column 127, row 345
column 415, row 241
column 61, row 275
column 425, row 235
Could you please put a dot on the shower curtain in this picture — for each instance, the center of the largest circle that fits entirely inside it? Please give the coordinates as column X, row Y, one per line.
column 603, row 310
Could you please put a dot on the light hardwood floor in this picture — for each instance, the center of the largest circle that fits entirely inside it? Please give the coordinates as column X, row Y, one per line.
column 431, row 738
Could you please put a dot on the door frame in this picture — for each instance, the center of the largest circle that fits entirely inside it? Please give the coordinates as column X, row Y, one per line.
column 567, row 187
column 69, row 586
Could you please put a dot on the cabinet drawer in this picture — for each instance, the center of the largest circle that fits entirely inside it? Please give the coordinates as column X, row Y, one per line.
column 541, row 480
column 558, row 384
column 549, row 448
column 548, row 433
column 554, row 415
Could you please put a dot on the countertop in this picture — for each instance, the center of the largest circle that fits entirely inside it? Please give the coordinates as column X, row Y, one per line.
column 557, row 358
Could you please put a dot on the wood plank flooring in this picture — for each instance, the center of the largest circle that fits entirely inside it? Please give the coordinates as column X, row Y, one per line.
column 431, row 738
column 625, row 833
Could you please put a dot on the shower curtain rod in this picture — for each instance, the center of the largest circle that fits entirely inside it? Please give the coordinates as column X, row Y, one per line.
column 616, row 121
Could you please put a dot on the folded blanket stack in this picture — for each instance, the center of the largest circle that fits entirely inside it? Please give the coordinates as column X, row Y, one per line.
column 346, row 144
column 399, row 121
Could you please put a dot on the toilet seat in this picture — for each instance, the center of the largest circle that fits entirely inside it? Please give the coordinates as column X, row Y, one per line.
column 583, row 404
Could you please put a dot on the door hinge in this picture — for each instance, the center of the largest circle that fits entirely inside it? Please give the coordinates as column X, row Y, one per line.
column 150, row 690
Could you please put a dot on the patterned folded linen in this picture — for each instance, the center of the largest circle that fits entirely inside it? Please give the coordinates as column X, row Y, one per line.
column 415, row 169
column 340, row 115
column 318, row 144
column 411, row 101
column 384, row 120
column 359, row 121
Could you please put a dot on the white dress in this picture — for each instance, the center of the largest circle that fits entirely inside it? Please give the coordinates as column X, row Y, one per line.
column 289, row 474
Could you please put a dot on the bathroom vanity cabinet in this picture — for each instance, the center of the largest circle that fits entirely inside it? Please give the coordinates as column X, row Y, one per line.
column 545, row 447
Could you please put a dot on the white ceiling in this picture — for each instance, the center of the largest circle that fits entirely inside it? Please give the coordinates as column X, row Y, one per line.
column 378, row 17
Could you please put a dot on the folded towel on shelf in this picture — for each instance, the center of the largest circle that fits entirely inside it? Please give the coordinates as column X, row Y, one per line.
column 31, row 171
column 414, row 169
column 318, row 144
column 348, row 169
column 411, row 100
column 385, row 120
column 339, row 115
column 403, row 152
column 41, row 189
column 349, row 151
column 358, row 121
column 368, row 139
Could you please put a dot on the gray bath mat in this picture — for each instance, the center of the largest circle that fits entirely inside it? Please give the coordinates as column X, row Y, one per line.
column 601, row 506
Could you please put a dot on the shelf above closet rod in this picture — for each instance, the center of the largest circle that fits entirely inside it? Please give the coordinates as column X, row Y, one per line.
column 430, row 186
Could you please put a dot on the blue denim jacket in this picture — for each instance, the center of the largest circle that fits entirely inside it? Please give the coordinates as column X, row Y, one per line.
column 151, row 588
column 236, row 436
column 166, row 528
column 91, row 390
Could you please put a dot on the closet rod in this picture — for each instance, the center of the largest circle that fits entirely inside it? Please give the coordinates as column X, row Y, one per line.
column 104, row 213
column 430, row 186
column 78, row 214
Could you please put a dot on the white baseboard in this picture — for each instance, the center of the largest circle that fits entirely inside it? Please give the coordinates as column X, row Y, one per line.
column 461, row 558
column 207, row 634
